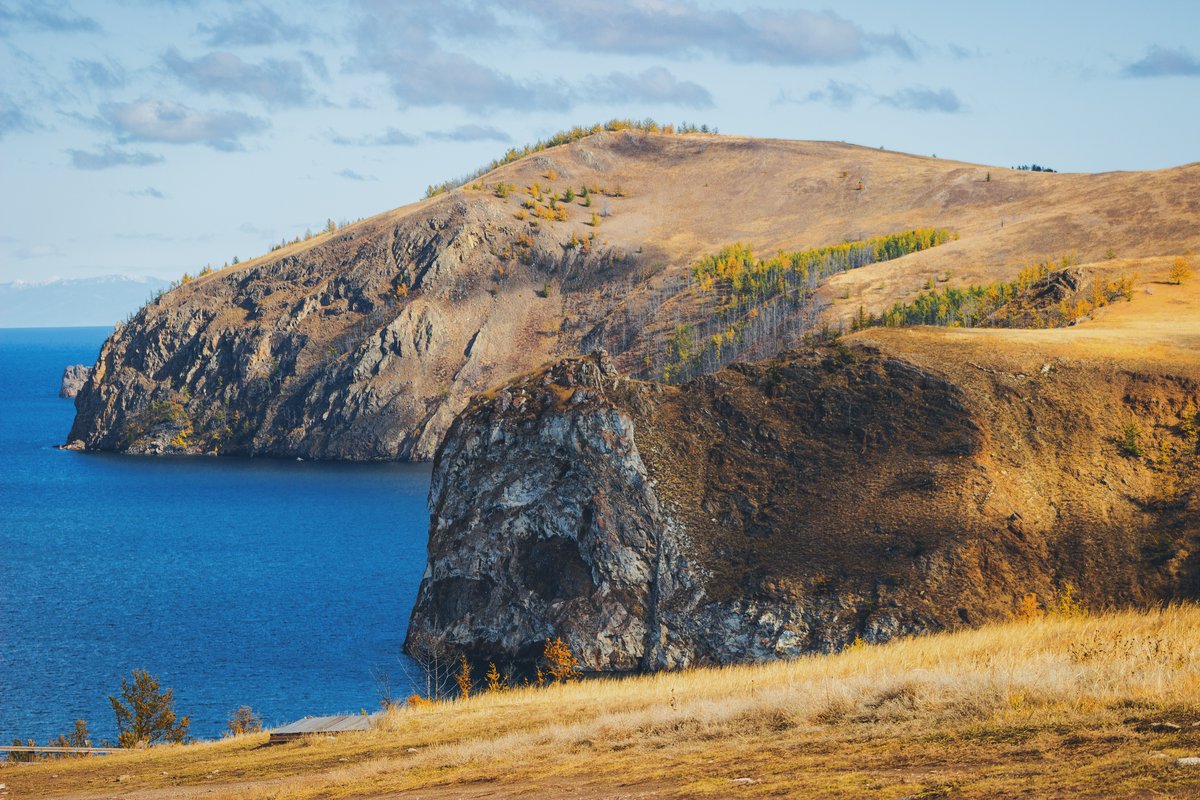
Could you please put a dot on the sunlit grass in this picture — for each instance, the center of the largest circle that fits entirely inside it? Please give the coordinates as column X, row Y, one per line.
column 1064, row 705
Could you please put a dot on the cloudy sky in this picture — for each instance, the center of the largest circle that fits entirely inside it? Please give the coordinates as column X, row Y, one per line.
column 150, row 138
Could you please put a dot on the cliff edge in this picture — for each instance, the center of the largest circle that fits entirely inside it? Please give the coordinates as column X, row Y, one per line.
column 893, row 483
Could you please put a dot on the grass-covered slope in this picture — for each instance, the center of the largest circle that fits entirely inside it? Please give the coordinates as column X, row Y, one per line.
column 1099, row 706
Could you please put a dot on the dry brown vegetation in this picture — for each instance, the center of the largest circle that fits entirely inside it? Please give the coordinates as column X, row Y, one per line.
column 1057, row 707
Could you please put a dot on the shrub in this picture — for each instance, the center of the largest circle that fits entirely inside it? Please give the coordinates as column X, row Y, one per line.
column 145, row 713
column 595, row 223
column 495, row 681
column 243, row 720
column 1130, row 443
column 1028, row 609
column 462, row 678
column 561, row 664
column 1067, row 605
column 22, row 757
column 551, row 175
column 504, row 189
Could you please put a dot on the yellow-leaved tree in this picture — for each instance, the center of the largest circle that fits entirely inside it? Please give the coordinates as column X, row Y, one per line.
column 1181, row 270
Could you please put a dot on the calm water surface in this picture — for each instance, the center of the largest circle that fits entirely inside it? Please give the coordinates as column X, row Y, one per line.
column 283, row 585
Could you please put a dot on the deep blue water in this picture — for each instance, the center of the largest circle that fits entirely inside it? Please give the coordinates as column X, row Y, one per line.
column 283, row 585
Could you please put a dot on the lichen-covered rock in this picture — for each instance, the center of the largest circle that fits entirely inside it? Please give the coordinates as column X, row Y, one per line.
column 781, row 508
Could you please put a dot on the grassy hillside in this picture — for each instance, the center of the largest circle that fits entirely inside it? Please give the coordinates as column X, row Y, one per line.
column 1078, row 707
column 364, row 343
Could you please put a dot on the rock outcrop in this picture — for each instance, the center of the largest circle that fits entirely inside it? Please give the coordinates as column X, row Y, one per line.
column 794, row 505
column 73, row 379
column 361, row 347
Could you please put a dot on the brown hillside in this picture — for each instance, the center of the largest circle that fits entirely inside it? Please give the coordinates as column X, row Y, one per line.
column 894, row 482
column 363, row 344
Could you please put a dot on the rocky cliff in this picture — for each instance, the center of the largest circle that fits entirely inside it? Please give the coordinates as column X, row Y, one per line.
column 361, row 346
column 869, row 489
column 364, row 343
column 73, row 379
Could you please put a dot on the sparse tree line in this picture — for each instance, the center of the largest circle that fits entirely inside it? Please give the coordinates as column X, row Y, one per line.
column 1001, row 304
column 566, row 137
column 748, row 301
column 447, row 674
column 145, row 715
column 1033, row 168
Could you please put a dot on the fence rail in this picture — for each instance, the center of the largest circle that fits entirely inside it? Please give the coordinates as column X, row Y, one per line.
column 4, row 748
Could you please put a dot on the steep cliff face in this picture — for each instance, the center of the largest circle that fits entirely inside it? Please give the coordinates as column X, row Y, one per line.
column 362, row 346
column 793, row 505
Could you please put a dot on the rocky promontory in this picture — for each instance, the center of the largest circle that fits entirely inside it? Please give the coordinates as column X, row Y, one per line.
column 798, row 504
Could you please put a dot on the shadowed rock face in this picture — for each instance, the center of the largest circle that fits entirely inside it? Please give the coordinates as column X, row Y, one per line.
column 778, row 508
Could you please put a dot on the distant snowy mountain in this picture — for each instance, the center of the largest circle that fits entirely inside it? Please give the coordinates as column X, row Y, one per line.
column 74, row 302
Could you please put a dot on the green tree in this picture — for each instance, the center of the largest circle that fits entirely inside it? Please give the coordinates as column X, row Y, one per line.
column 1130, row 443
column 145, row 713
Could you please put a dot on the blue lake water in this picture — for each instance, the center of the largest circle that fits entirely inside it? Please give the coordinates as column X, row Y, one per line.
column 283, row 585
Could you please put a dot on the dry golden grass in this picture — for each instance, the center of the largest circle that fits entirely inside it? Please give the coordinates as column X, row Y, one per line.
column 1053, row 708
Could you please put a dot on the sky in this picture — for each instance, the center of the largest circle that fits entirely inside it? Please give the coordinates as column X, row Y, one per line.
column 152, row 138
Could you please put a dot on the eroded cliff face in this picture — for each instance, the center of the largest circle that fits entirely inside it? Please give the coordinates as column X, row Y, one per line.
column 794, row 505
column 362, row 346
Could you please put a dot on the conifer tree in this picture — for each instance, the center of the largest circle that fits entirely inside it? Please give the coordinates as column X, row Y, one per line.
column 145, row 713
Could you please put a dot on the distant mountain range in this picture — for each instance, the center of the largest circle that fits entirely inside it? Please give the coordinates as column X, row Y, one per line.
column 74, row 302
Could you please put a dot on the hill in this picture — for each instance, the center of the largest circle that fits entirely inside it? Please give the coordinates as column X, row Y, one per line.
column 365, row 342
column 1076, row 707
